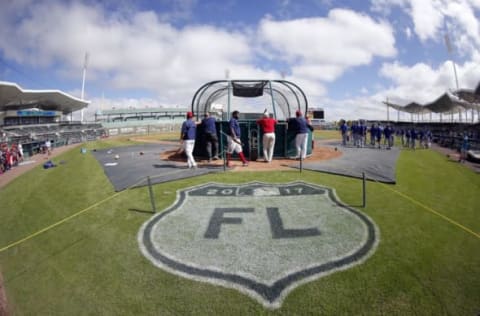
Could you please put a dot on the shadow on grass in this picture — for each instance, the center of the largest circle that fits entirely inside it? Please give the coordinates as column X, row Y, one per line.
column 141, row 211
column 357, row 206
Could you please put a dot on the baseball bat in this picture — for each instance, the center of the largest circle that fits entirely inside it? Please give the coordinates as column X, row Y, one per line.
column 238, row 141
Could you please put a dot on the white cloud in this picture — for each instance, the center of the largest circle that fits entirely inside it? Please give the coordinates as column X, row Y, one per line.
column 106, row 103
column 408, row 32
column 385, row 6
column 422, row 83
column 475, row 3
column 139, row 50
column 362, row 107
column 136, row 51
column 324, row 48
column 427, row 18
column 143, row 51
column 430, row 18
column 464, row 28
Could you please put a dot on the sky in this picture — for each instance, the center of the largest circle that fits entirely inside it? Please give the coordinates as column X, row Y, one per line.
column 347, row 56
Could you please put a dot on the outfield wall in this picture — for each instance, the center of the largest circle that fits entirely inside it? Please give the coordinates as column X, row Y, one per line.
column 136, row 128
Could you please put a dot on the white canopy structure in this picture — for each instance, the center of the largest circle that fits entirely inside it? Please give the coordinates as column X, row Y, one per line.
column 471, row 96
column 13, row 97
column 448, row 103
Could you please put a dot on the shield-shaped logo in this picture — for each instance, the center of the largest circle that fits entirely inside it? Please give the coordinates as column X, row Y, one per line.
column 262, row 239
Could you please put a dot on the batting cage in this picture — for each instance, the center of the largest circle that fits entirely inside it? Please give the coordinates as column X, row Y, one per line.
column 281, row 99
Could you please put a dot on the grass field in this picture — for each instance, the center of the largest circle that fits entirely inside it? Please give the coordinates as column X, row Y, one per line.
column 427, row 262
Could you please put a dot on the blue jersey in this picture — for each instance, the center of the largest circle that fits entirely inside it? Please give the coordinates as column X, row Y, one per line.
column 299, row 125
column 465, row 144
column 363, row 129
column 343, row 128
column 209, row 123
column 189, row 130
column 413, row 134
column 387, row 132
column 353, row 129
column 233, row 124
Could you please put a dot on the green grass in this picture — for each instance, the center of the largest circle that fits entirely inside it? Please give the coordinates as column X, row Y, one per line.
column 170, row 136
column 131, row 140
column 327, row 134
column 424, row 265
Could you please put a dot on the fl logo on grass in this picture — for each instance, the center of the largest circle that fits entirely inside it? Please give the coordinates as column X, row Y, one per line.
column 261, row 239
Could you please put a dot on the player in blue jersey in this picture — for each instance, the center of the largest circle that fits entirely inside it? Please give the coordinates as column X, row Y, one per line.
column 388, row 132
column 363, row 131
column 187, row 138
column 464, row 148
column 233, row 140
column 378, row 136
column 373, row 134
column 344, row 132
column 413, row 138
column 211, row 138
column 300, row 126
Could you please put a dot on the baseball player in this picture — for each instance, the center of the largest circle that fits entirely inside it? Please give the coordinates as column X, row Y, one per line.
column 211, row 138
column 233, row 140
column 344, row 131
column 300, row 126
column 187, row 138
column 267, row 124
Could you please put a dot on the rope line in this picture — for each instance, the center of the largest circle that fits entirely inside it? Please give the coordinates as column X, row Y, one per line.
column 20, row 241
column 451, row 221
column 58, row 223
column 64, row 220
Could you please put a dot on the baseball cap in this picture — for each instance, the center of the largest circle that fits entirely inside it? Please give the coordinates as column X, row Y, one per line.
column 298, row 113
column 189, row 114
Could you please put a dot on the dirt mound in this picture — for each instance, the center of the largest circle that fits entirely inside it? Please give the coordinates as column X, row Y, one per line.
column 319, row 153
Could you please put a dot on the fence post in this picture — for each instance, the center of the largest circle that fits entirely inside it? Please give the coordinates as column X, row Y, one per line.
column 364, row 187
column 152, row 198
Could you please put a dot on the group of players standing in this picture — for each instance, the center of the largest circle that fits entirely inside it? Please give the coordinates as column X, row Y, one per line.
column 298, row 124
column 381, row 136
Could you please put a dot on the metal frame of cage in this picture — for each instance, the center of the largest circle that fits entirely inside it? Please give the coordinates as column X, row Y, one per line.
column 285, row 95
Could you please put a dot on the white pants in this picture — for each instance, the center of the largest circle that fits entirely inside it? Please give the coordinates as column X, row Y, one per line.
column 233, row 146
column 301, row 141
column 268, row 145
column 188, row 146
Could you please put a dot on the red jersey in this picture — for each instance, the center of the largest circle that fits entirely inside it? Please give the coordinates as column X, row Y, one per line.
column 267, row 124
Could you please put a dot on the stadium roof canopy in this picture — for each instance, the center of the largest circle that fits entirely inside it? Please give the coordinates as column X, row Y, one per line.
column 13, row 97
column 472, row 96
column 459, row 100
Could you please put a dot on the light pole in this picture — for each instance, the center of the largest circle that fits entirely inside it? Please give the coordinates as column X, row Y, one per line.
column 450, row 55
column 83, row 82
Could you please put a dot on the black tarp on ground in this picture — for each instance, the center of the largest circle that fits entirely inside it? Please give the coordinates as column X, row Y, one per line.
column 132, row 168
column 378, row 164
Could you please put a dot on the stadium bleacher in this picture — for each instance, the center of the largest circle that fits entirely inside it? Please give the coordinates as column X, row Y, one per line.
column 448, row 135
column 33, row 137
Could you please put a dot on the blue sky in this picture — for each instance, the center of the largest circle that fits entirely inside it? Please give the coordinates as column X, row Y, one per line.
column 348, row 56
